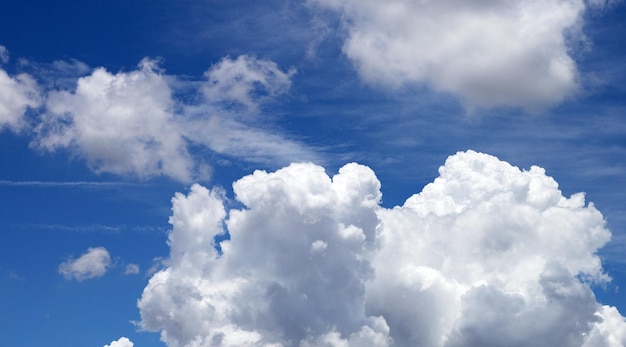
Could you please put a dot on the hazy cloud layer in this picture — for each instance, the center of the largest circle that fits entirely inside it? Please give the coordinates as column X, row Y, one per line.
column 92, row 264
column 489, row 53
column 122, row 342
column 485, row 255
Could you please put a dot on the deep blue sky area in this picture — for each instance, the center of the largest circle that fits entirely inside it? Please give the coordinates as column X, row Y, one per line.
column 57, row 203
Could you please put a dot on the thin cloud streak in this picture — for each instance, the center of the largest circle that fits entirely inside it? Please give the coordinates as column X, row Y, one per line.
column 90, row 184
column 89, row 228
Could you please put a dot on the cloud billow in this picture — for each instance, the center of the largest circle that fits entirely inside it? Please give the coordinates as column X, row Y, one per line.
column 488, row 53
column 122, row 123
column 487, row 254
column 92, row 264
column 121, row 342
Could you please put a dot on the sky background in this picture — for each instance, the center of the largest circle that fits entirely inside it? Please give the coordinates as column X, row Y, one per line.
column 108, row 109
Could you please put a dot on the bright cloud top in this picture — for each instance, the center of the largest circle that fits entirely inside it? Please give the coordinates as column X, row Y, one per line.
column 92, row 264
column 122, row 342
column 489, row 53
column 485, row 255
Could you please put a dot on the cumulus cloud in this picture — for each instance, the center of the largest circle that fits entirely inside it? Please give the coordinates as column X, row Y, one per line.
column 486, row 255
column 92, row 264
column 132, row 122
column 269, row 286
column 488, row 53
column 17, row 94
column 497, row 255
column 238, row 81
column 120, row 123
column 611, row 332
column 122, row 342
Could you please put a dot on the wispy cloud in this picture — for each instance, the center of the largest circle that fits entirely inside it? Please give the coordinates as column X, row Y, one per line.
column 4, row 55
column 87, row 184
column 89, row 228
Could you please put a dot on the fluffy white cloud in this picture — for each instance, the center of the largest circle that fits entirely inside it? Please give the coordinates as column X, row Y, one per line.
column 489, row 53
column 496, row 256
column 269, row 287
column 92, row 264
column 487, row 254
column 122, row 123
column 16, row 95
column 131, row 122
column 609, row 331
column 122, row 342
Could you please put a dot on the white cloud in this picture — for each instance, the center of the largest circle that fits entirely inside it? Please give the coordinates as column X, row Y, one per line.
column 17, row 94
column 92, row 264
column 609, row 330
column 237, row 139
column 495, row 253
column 131, row 269
column 132, row 122
column 489, row 53
column 245, row 80
column 267, row 287
column 234, row 92
column 122, row 342
column 122, row 123
column 487, row 254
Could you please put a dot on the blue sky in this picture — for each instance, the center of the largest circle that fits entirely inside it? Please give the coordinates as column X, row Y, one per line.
column 111, row 108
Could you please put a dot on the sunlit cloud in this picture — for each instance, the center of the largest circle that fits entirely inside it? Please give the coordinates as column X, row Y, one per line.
column 489, row 54
column 121, row 342
column 486, row 254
